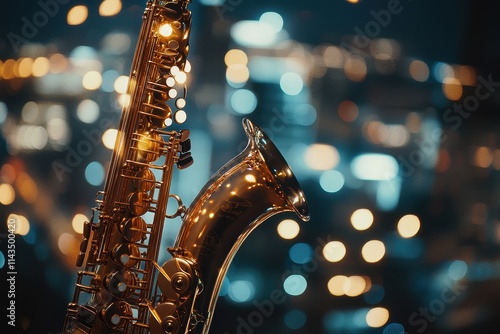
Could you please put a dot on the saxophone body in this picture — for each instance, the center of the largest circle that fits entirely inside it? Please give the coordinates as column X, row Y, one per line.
column 121, row 287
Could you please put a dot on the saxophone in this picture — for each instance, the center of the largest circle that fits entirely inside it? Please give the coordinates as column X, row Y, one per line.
column 122, row 288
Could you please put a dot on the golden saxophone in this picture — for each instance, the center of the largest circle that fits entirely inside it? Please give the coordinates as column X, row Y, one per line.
column 122, row 288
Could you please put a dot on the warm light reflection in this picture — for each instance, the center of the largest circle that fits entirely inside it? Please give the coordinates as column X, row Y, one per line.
column 413, row 122
column 408, row 226
column 109, row 138
column 77, row 15
column 362, row 219
column 77, row 223
column 288, row 229
column 496, row 159
column 377, row 317
column 334, row 251
column 20, row 224
column 124, row 100
column 92, row 80
column 322, row 157
column 110, row 7
column 88, row 111
column 7, row 194
column 373, row 251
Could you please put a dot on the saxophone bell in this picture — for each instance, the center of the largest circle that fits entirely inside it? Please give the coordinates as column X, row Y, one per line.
column 250, row 188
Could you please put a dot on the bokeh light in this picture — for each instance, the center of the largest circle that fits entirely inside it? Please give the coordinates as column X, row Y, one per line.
column 94, row 173
column 322, row 157
column 295, row 285
column 334, row 251
column 288, row 229
column 20, row 224
column 377, row 317
column 110, row 7
column 408, row 226
column 301, row 253
column 373, row 251
column 77, row 15
column 362, row 219
column 7, row 194
column 241, row 291
column 331, row 181
column 77, row 222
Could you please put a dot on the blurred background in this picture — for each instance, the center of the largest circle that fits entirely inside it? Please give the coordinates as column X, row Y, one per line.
column 385, row 110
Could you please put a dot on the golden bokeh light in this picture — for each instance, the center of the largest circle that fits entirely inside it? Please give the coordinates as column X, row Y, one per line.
column 92, row 80
column 27, row 187
column 121, row 84
column 68, row 244
column 322, row 157
column 110, row 7
column 373, row 251
column 336, row 285
column 288, row 229
column 348, row 111
column 408, row 226
column 334, row 251
column 77, row 222
column 77, row 15
column 377, row 317
column 235, row 57
column 483, row 157
column 237, row 73
column 362, row 219
column 452, row 89
column 7, row 194
column 355, row 69
column 419, row 70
